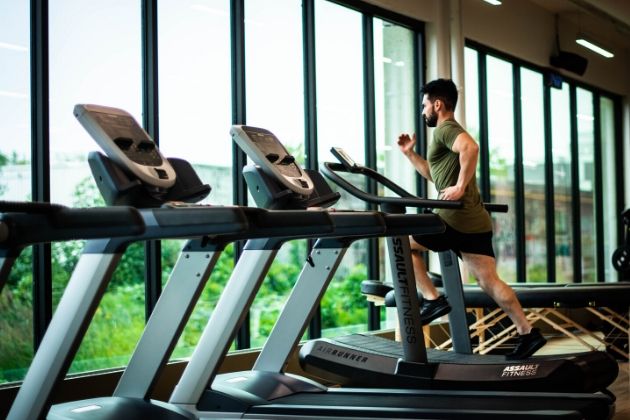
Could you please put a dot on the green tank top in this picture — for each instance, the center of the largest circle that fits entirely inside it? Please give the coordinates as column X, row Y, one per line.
column 444, row 164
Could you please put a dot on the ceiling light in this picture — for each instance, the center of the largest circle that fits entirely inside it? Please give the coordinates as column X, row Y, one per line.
column 593, row 47
column 493, row 2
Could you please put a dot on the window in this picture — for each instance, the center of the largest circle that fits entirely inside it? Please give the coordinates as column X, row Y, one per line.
column 340, row 122
column 562, row 183
column 194, row 89
column 396, row 113
column 275, row 101
column 89, row 62
column 16, row 315
column 609, row 183
column 395, row 89
column 533, row 145
column 586, row 170
column 81, row 34
column 195, row 115
column 569, row 197
column 501, row 152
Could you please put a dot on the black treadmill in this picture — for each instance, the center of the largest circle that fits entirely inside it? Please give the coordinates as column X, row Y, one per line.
column 379, row 362
column 269, row 392
column 166, row 190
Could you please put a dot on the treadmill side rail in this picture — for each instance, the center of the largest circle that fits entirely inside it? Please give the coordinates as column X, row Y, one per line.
column 66, row 329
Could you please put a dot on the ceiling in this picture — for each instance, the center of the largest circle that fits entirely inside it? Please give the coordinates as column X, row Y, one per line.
column 608, row 17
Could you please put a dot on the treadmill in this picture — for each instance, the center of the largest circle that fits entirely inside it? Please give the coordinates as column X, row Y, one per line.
column 387, row 364
column 268, row 392
column 165, row 190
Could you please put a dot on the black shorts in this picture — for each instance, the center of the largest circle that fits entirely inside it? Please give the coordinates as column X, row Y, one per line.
column 470, row 243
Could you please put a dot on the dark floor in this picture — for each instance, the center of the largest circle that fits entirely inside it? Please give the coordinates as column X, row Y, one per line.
column 621, row 387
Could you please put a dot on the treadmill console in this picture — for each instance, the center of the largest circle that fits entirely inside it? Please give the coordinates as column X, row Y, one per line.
column 126, row 143
column 264, row 148
column 344, row 158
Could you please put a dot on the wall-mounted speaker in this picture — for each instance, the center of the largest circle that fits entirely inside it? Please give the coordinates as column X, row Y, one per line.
column 569, row 61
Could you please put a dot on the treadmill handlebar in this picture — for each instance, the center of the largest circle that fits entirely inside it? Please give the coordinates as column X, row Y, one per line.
column 30, row 223
column 28, row 207
column 495, row 207
column 406, row 199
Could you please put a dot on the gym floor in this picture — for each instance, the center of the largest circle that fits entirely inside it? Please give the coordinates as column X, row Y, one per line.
column 621, row 387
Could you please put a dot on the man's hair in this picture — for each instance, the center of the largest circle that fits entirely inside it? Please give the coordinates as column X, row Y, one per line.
column 442, row 89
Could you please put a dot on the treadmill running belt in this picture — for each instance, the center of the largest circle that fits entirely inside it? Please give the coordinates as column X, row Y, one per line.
column 412, row 403
column 370, row 361
column 384, row 346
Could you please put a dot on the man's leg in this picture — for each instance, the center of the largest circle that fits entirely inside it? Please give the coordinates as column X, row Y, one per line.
column 483, row 267
column 423, row 282
column 433, row 305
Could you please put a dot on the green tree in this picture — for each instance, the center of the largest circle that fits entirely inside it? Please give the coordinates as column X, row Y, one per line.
column 344, row 304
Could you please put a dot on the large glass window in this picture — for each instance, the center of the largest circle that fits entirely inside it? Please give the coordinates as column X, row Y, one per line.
column 610, row 179
column 567, row 160
column 501, row 152
column 275, row 101
column 194, row 89
column 533, row 145
column 562, row 183
column 394, row 89
column 340, row 122
column 16, row 315
column 586, row 169
column 194, row 86
column 82, row 34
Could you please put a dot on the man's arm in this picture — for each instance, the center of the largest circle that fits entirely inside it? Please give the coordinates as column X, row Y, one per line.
column 468, row 151
column 406, row 144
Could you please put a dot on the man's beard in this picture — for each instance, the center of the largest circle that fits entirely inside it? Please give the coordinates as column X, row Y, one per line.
column 431, row 120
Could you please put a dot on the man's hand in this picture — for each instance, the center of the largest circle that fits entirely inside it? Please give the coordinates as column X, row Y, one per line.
column 452, row 193
column 406, row 143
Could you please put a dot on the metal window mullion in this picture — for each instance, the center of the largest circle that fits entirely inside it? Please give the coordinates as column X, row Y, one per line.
column 599, row 194
column 549, row 188
column 519, row 178
column 150, row 122
column 310, row 83
column 575, row 188
column 369, row 109
column 620, row 170
column 420, row 128
column 310, row 120
column 237, row 33
column 484, row 156
column 40, row 158
column 239, row 158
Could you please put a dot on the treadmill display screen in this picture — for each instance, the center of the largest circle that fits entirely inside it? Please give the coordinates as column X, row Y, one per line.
column 130, row 139
column 276, row 154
